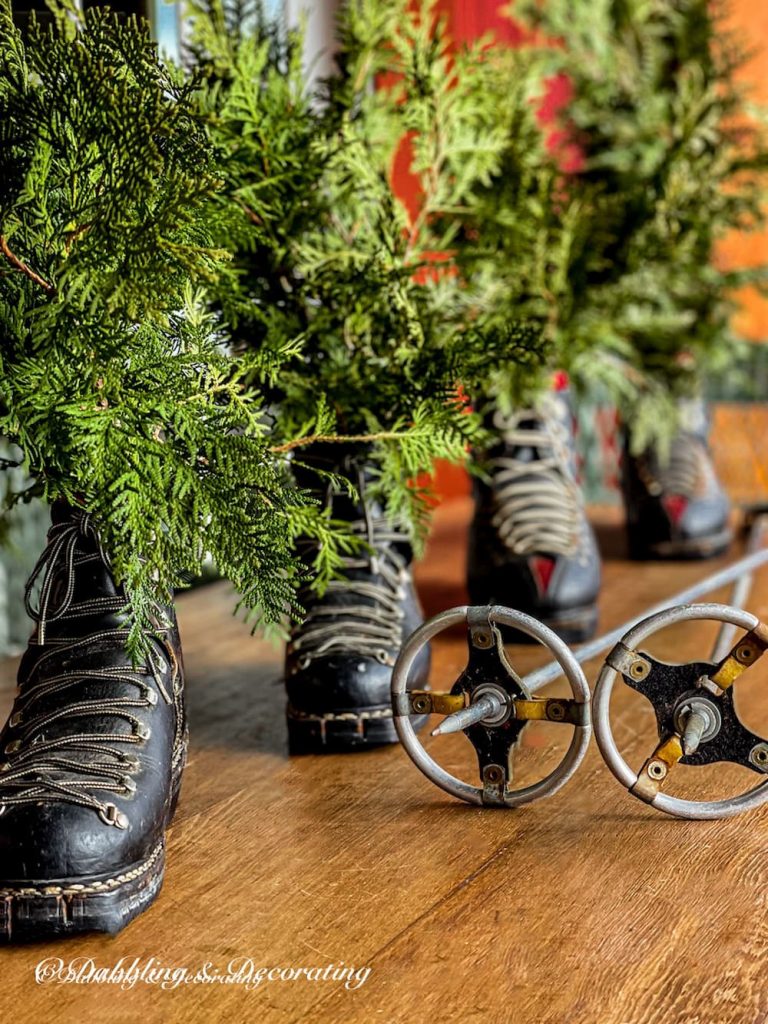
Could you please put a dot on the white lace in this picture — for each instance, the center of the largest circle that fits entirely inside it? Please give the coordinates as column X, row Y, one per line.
column 685, row 473
column 367, row 621
column 77, row 767
column 538, row 503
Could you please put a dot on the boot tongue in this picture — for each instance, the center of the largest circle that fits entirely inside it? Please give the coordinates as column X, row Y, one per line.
column 353, row 463
column 350, row 509
column 72, row 579
column 349, row 462
column 63, row 512
column 694, row 417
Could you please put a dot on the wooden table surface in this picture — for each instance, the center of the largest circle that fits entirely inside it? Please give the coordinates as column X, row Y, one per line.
column 587, row 907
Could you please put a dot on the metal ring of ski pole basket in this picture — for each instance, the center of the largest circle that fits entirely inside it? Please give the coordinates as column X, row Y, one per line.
column 696, row 717
column 491, row 706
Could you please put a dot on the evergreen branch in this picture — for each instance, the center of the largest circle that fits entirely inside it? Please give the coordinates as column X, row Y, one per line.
column 253, row 217
column 73, row 235
column 118, row 385
column 327, row 262
column 302, row 442
column 23, row 267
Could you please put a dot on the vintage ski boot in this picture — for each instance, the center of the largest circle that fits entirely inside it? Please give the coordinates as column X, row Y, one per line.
column 339, row 659
column 92, row 755
column 531, row 546
column 677, row 508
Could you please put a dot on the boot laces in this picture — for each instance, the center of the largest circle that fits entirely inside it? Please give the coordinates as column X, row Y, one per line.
column 361, row 616
column 688, row 470
column 79, row 767
column 538, row 503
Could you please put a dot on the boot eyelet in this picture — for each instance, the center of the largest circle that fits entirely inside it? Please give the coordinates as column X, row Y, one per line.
column 143, row 732
column 15, row 720
column 128, row 784
column 110, row 815
column 151, row 698
column 383, row 657
column 5, row 767
column 13, row 747
column 304, row 661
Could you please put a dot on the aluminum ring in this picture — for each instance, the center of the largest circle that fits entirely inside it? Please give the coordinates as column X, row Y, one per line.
column 692, row 809
column 571, row 669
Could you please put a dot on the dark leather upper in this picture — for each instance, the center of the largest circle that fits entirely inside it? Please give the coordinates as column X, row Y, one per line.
column 76, row 657
column 539, row 580
column 496, row 576
column 677, row 499
column 355, row 671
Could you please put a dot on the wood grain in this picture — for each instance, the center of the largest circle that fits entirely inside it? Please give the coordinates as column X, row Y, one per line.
column 588, row 907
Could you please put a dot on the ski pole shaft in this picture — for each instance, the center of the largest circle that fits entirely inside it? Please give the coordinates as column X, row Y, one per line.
column 741, row 570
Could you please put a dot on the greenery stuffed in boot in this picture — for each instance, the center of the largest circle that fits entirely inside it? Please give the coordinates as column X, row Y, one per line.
column 139, row 429
column 330, row 264
column 515, row 242
column 676, row 157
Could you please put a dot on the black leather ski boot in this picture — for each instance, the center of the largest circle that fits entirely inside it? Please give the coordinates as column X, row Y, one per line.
column 676, row 509
column 92, row 755
column 339, row 660
column 531, row 546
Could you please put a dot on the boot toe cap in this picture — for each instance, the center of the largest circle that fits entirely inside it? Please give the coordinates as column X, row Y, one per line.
column 59, row 842
column 346, row 682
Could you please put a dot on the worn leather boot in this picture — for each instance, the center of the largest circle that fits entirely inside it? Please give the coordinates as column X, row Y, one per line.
column 677, row 508
column 92, row 755
column 531, row 546
column 339, row 659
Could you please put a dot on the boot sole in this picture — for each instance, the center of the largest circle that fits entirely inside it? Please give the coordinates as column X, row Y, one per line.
column 34, row 911
column 682, row 550
column 49, row 910
column 574, row 627
column 343, row 731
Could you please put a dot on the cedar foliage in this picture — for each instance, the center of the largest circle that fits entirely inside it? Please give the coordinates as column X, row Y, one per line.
column 494, row 198
column 494, row 195
column 329, row 262
column 114, row 381
column 674, row 158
